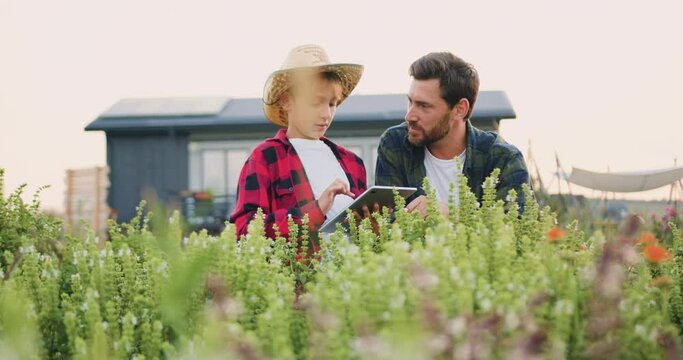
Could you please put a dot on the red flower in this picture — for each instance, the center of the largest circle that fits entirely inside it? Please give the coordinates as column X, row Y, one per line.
column 555, row 234
column 647, row 238
column 202, row 196
column 656, row 253
column 660, row 281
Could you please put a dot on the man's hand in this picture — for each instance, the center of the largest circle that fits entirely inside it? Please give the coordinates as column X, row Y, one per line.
column 419, row 204
column 337, row 187
column 367, row 214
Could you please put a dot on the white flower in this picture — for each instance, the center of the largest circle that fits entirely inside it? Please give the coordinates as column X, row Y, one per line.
column 398, row 301
column 653, row 336
column 233, row 328
column 457, row 326
column 430, row 240
column 469, row 276
column 563, row 307
column 486, row 304
column 511, row 320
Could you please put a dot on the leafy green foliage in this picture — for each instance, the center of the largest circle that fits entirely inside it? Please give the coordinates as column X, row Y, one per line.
column 485, row 281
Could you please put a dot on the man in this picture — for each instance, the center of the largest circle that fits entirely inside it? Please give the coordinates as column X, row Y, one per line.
column 299, row 171
column 437, row 130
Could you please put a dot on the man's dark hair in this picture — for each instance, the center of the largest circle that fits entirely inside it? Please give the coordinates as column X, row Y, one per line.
column 458, row 79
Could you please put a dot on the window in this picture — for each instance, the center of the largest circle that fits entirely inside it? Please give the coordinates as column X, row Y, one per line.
column 236, row 159
column 216, row 165
column 213, row 171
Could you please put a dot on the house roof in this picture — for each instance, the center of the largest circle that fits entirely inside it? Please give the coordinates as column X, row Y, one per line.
column 226, row 113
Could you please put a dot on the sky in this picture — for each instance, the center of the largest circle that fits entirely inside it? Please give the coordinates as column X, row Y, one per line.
column 597, row 82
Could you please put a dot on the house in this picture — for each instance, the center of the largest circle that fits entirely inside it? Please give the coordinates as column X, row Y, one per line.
column 175, row 147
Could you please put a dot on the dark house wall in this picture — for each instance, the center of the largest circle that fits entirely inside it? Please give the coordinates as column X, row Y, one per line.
column 142, row 162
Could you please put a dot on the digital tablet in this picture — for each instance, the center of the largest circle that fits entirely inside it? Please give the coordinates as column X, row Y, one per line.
column 382, row 195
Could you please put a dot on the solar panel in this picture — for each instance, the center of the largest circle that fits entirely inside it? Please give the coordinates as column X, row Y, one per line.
column 159, row 107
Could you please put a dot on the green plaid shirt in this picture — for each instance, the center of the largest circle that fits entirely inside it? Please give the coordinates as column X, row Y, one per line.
column 399, row 163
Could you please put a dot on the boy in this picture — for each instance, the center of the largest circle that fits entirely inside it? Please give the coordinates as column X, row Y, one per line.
column 299, row 171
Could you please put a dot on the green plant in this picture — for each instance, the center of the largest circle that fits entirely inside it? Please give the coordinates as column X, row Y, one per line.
column 484, row 281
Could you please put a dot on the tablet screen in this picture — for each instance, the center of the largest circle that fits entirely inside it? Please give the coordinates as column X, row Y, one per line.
column 382, row 195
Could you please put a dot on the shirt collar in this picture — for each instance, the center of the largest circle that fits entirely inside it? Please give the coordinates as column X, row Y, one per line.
column 281, row 136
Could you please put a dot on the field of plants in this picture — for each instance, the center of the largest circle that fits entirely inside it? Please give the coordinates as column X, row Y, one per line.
column 485, row 283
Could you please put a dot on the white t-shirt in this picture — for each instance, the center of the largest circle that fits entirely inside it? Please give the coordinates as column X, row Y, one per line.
column 322, row 168
column 442, row 173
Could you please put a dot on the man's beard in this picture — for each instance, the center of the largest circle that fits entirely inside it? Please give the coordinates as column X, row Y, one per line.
column 437, row 133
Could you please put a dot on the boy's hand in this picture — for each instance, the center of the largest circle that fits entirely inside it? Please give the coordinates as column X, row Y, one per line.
column 337, row 187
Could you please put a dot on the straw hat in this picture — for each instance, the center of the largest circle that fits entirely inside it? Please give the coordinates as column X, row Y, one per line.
column 304, row 60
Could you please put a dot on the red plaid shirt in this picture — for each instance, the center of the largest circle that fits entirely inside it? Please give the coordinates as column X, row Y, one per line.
column 274, row 180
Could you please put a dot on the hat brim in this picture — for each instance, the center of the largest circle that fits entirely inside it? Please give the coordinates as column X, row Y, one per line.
column 279, row 81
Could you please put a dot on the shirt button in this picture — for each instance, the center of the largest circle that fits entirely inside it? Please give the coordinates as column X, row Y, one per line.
column 290, row 189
